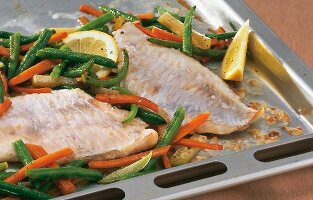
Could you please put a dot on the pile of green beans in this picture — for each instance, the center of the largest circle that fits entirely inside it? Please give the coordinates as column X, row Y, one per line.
column 23, row 40
column 168, row 135
column 187, row 48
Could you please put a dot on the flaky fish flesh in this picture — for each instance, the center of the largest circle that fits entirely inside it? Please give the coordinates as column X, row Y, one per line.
column 171, row 79
column 72, row 118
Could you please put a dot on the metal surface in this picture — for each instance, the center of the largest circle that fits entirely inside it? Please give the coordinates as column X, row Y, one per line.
column 285, row 84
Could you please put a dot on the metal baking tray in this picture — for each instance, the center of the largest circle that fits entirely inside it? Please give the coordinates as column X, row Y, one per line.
column 283, row 81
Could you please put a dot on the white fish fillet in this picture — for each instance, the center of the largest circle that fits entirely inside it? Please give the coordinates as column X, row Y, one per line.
column 72, row 118
column 171, row 79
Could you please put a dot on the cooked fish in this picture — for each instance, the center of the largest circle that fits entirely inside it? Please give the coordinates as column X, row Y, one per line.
column 72, row 118
column 170, row 78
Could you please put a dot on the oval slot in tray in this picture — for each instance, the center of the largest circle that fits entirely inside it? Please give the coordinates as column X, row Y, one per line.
column 108, row 194
column 191, row 174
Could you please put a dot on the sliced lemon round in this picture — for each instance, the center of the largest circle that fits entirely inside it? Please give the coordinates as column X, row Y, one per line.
column 94, row 42
column 235, row 58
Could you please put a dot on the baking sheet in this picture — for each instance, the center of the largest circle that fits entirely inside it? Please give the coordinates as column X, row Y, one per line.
column 279, row 80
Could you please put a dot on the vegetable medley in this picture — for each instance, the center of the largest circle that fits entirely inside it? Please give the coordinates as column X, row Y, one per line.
column 48, row 61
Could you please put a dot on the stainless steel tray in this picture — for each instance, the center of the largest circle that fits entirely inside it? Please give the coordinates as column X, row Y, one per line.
column 285, row 83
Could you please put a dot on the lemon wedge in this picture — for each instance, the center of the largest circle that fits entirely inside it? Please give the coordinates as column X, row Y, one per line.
column 94, row 42
column 235, row 58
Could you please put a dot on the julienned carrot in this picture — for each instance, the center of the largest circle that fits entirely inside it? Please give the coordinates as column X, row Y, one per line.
column 83, row 20
column 166, row 162
column 127, row 99
column 143, row 29
column 66, row 186
column 148, row 15
column 57, row 37
column 40, row 162
column 196, row 144
column 120, row 162
column 191, row 126
column 6, row 53
column 28, row 90
column 5, row 106
column 90, row 10
column 164, row 35
column 39, row 68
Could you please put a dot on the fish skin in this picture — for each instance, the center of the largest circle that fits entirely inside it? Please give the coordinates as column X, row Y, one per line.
column 171, row 79
column 72, row 118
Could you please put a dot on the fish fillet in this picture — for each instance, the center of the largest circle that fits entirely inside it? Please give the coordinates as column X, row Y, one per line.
column 72, row 118
column 171, row 79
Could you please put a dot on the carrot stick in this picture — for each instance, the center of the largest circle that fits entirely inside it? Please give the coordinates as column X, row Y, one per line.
column 127, row 98
column 143, row 29
column 57, row 37
column 164, row 35
column 4, row 82
column 40, row 162
column 191, row 126
column 202, row 145
column 83, row 20
column 148, row 15
column 10, row 198
column 166, row 162
column 39, row 68
column 6, row 53
column 65, row 185
column 120, row 162
column 4, row 106
column 30, row 90
column 90, row 10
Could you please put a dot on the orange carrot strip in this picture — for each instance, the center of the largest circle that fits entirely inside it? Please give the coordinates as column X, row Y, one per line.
column 127, row 98
column 120, row 162
column 10, row 198
column 83, row 20
column 191, row 126
column 4, row 51
column 165, row 35
column 65, row 185
column 4, row 106
column 57, row 37
column 148, row 15
column 40, row 162
column 202, row 145
column 39, row 68
column 90, row 10
column 28, row 90
column 143, row 29
column 4, row 82
column 166, row 161
column 220, row 30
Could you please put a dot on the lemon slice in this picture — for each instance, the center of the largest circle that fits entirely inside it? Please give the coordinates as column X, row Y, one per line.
column 94, row 42
column 235, row 58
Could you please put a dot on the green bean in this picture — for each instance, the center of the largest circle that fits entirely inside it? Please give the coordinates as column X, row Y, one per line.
column 5, row 34
column 233, row 26
column 161, row 10
column 47, row 186
column 130, row 169
column 132, row 114
column 150, row 117
column 63, row 173
column 117, row 13
column 30, row 56
column 195, row 50
column 149, row 22
column 99, row 21
column 5, row 64
column 59, row 68
column 76, row 72
column 23, row 40
column 187, row 47
column 75, row 57
column 76, row 163
column 111, row 82
column 3, row 166
column 221, row 36
column 14, row 54
column 20, row 191
column 4, row 175
column 105, row 28
column 168, row 134
column 1, row 91
column 22, row 152
column 121, row 90
column 158, row 25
